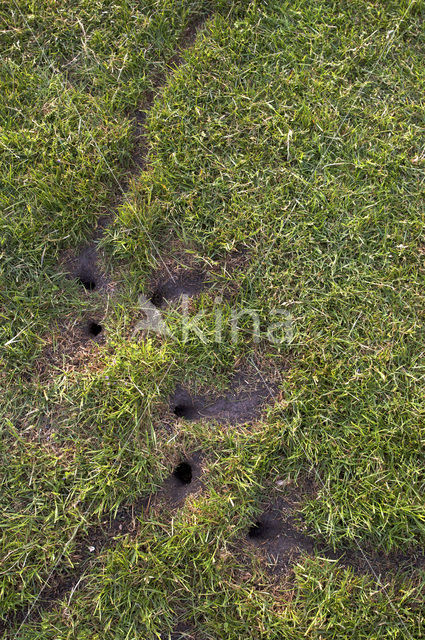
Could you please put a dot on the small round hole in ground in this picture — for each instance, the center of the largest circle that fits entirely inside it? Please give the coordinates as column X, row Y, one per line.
column 183, row 473
column 88, row 283
column 95, row 329
column 157, row 298
column 183, row 410
column 256, row 530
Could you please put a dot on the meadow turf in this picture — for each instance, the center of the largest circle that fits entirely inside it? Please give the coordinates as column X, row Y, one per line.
column 277, row 148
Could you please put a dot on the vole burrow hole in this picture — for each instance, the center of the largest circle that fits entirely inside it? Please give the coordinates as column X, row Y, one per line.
column 184, row 410
column 89, row 284
column 157, row 298
column 94, row 329
column 183, row 473
column 256, row 530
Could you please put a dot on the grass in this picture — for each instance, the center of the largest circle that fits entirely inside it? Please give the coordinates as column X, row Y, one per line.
column 286, row 159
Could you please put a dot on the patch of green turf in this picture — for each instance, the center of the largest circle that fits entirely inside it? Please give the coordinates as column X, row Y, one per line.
column 310, row 157
column 72, row 78
column 73, row 75
column 290, row 137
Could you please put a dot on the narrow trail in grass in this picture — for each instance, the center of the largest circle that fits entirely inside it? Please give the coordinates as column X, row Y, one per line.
column 85, row 269
column 244, row 402
column 87, row 260
column 277, row 536
column 84, row 266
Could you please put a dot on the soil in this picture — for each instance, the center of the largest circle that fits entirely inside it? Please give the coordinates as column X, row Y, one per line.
column 181, row 632
column 243, row 403
column 275, row 534
column 185, row 480
column 188, row 282
column 69, row 347
column 84, row 268
column 280, row 536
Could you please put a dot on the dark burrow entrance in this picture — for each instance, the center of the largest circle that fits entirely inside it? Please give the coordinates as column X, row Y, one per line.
column 94, row 329
column 242, row 403
column 84, row 268
column 280, row 535
column 183, row 406
column 185, row 410
column 183, row 473
column 256, row 530
column 157, row 298
column 88, row 283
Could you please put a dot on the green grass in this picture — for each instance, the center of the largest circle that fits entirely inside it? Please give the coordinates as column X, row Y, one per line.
column 289, row 145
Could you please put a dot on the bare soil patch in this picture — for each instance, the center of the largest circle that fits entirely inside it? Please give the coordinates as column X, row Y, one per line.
column 187, row 282
column 71, row 345
column 182, row 632
column 184, row 481
column 244, row 402
column 280, row 535
column 84, row 266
